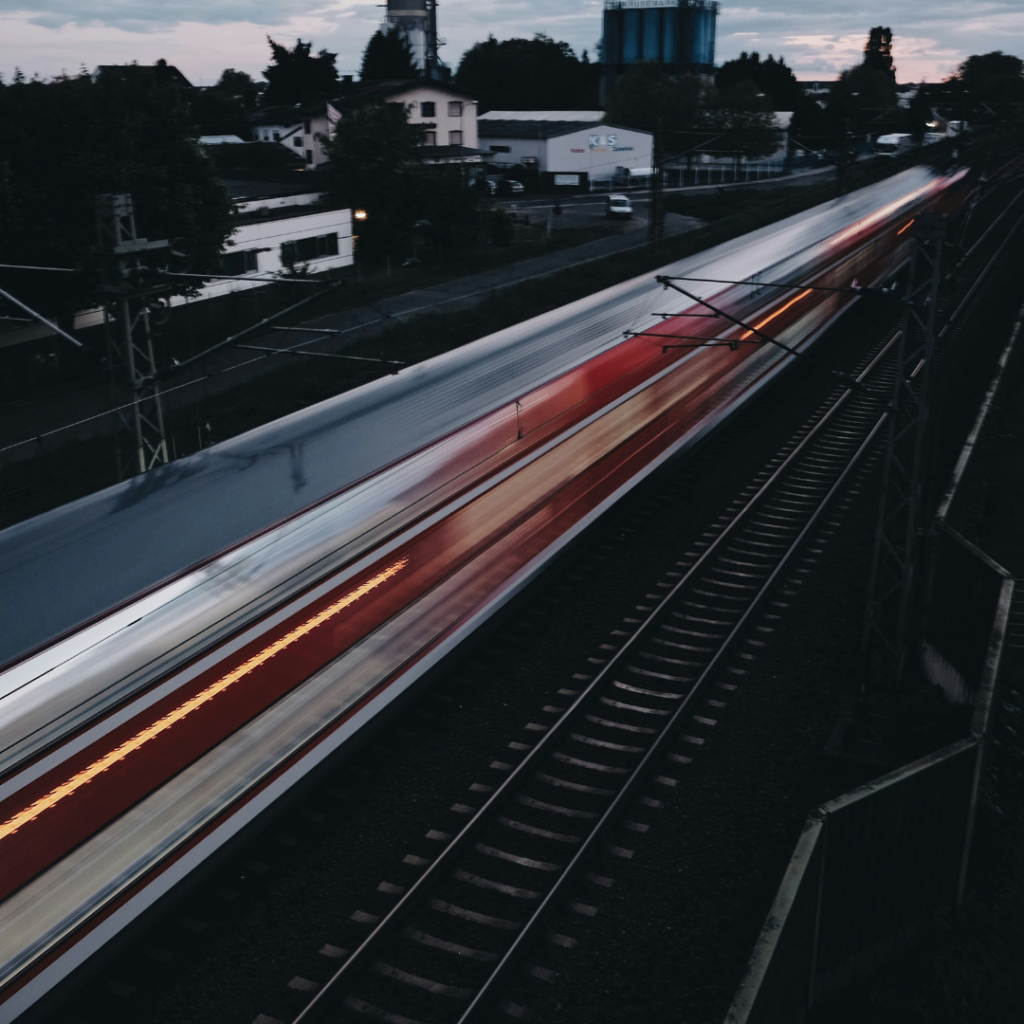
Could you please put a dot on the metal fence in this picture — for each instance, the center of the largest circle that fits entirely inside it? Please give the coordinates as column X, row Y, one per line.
column 872, row 866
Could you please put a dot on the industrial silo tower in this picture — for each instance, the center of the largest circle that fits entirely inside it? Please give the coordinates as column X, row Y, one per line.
column 677, row 34
column 416, row 21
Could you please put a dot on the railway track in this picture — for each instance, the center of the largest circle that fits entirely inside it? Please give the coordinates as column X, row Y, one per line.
column 427, row 975
column 450, row 943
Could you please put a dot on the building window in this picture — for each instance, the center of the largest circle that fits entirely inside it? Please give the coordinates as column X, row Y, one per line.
column 235, row 263
column 455, row 138
column 500, row 149
column 309, row 156
column 455, row 108
column 277, row 136
column 307, row 127
column 430, row 138
column 297, row 142
column 302, row 249
column 427, row 109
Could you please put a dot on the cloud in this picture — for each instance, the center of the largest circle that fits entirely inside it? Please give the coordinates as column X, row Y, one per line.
column 818, row 37
column 151, row 15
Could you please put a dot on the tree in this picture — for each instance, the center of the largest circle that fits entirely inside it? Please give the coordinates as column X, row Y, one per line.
column 993, row 80
column 647, row 98
column 810, row 127
column 387, row 56
column 221, row 109
column 878, row 52
column 772, row 77
column 528, row 74
column 296, row 76
column 374, row 167
column 744, row 121
column 919, row 113
column 239, row 85
column 65, row 141
column 864, row 96
column 863, row 101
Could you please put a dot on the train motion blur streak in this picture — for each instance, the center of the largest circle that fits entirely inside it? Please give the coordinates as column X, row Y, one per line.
column 104, row 804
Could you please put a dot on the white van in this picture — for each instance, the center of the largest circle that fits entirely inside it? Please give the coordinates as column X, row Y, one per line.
column 618, row 206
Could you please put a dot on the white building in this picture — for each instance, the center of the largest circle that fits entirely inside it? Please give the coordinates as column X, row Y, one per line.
column 416, row 23
column 565, row 148
column 446, row 116
column 303, row 130
column 276, row 228
column 275, row 224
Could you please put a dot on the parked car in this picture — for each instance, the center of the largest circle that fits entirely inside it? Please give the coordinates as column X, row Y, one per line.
column 618, row 206
column 508, row 187
column 486, row 186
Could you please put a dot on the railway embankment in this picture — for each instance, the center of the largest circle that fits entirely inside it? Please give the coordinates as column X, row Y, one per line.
column 966, row 969
column 236, row 390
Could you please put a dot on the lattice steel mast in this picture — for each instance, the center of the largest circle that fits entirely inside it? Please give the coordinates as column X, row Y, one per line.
column 890, row 627
column 139, row 437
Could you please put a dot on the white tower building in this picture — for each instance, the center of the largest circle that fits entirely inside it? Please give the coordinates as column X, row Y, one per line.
column 416, row 20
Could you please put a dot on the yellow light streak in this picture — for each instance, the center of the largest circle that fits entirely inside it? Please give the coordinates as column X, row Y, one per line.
column 778, row 312
column 161, row 725
column 905, row 226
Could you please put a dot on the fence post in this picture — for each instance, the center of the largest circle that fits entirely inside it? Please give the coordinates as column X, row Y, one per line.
column 822, row 858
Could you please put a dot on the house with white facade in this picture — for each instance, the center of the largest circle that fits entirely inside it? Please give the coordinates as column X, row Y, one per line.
column 568, row 148
column 302, row 129
column 446, row 116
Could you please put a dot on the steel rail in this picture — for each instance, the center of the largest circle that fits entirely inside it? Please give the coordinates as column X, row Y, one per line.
column 980, row 279
column 657, row 748
column 409, row 899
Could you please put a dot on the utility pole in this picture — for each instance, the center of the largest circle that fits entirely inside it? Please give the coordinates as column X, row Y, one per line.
column 656, row 211
column 891, row 628
column 843, row 159
column 140, row 441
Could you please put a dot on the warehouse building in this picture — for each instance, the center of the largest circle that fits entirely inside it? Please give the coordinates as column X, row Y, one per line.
column 567, row 148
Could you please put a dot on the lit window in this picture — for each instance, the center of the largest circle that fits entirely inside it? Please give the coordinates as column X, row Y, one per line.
column 455, row 138
column 455, row 108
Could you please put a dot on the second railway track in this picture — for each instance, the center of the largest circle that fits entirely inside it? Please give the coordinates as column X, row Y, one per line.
column 448, row 946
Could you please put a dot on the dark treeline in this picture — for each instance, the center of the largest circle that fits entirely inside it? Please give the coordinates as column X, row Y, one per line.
column 529, row 74
column 64, row 141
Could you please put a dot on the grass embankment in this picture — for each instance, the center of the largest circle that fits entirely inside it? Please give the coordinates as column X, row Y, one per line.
column 195, row 419
column 971, row 971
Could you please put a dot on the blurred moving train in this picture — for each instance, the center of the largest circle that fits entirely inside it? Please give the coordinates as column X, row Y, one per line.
column 181, row 648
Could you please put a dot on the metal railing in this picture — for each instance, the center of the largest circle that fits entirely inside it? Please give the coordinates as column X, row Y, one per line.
column 871, row 866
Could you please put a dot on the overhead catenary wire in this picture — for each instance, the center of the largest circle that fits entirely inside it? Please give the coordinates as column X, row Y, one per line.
column 180, row 364
column 669, row 282
column 278, row 279
column 265, row 353
column 26, row 266
column 42, row 319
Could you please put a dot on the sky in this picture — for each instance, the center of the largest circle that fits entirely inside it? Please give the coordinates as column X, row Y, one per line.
column 818, row 38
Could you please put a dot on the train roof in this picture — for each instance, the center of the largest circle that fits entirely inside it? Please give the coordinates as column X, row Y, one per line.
column 68, row 565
